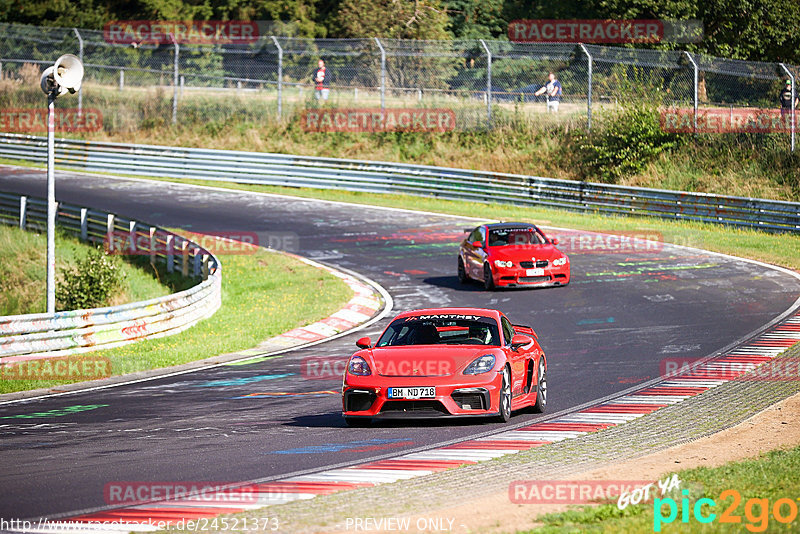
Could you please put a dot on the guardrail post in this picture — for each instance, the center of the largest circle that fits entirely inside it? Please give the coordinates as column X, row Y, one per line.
column 170, row 255
column 84, row 224
column 185, row 257
column 110, row 232
column 80, row 56
column 133, row 243
column 280, row 75
column 196, row 261
column 383, row 75
column 205, row 266
column 588, row 89
column 694, row 92
column 794, row 96
column 23, row 212
column 152, row 245
column 488, row 84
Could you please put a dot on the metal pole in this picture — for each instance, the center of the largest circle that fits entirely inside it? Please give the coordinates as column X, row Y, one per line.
column 51, row 203
column 175, row 81
column 383, row 75
column 794, row 96
column 488, row 84
column 80, row 56
column 694, row 66
column 280, row 75
column 588, row 90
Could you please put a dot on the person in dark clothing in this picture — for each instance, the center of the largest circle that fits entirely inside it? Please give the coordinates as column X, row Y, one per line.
column 786, row 99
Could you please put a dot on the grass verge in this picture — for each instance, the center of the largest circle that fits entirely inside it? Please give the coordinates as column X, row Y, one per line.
column 263, row 294
column 23, row 260
column 760, row 483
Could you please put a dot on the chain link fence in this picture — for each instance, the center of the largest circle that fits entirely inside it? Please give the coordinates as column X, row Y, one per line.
column 484, row 83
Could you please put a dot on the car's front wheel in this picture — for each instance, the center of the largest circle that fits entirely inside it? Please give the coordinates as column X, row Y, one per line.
column 541, row 387
column 505, row 397
column 488, row 280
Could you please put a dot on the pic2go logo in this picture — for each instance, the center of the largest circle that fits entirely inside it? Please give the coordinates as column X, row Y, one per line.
column 756, row 511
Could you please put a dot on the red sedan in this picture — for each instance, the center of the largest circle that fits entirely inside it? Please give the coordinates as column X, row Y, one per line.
column 448, row 362
column 512, row 254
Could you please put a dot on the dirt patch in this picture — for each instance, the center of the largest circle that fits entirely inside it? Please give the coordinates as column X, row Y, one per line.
column 768, row 430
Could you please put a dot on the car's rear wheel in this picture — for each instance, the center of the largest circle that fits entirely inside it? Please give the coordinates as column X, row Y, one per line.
column 357, row 422
column 462, row 272
column 488, row 281
column 505, row 397
column 541, row 387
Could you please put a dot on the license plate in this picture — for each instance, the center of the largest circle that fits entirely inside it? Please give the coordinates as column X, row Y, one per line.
column 534, row 272
column 412, row 393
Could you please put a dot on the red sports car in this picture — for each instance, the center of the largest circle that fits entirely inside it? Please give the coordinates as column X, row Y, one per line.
column 512, row 254
column 445, row 362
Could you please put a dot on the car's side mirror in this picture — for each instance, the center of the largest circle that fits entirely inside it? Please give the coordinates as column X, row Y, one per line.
column 555, row 241
column 476, row 244
column 518, row 340
column 364, row 343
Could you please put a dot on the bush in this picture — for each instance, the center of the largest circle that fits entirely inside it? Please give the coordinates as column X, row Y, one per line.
column 91, row 283
column 626, row 142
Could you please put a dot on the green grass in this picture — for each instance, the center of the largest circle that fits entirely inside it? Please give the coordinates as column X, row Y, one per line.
column 263, row 295
column 772, row 476
column 23, row 272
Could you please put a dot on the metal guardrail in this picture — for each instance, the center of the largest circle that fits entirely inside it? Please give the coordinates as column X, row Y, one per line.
column 421, row 180
column 32, row 336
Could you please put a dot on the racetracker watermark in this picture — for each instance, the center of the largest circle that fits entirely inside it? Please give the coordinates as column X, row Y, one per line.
column 327, row 367
column 618, row 242
column 220, row 243
column 32, row 120
column 726, row 120
column 135, row 32
column 377, row 120
column 732, row 368
column 133, row 493
column 570, row 491
column 62, row 368
column 605, row 31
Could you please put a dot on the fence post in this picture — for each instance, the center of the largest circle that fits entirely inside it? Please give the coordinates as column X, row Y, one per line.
column 280, row 75
column 121, row 79
column 175, row 81
column 196, row 262
column 183, row 81
column 23, row 211
column 185, row 257
column 152, row 245
column 110, row 231
column 383, row 75
column 170, row 254
column 80, row 56
column 588, row 89
column 794, row 95
column 488, row 84
column 133, row 242
column 84, row 224
column 694, row 92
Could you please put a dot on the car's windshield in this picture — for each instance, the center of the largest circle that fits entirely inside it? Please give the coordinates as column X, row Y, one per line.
column 442, row 329
column 501, row 237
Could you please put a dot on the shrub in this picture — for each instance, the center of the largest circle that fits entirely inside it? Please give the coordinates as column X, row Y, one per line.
column 91, row 283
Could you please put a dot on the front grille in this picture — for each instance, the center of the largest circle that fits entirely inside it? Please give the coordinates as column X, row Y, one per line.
column 542, row 263
column 533, row 279
column 416, row 406
column 357, row 401
column 531, row 265
column 470, row 401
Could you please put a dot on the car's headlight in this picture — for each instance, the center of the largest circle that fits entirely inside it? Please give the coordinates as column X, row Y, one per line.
column 501, row 263
column 481, row 364
column 358, row 366
column 560, row 261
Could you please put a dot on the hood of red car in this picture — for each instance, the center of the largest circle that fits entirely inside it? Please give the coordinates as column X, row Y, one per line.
column 517, row 254
column 423, row 360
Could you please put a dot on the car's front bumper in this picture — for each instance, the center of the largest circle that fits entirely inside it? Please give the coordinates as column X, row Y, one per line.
column 517, row 276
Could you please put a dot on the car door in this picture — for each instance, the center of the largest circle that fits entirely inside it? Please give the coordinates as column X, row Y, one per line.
column 517, row 358
column 474, row 256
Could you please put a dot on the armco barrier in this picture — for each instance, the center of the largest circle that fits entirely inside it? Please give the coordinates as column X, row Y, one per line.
column 25, row 337
column 422, row 180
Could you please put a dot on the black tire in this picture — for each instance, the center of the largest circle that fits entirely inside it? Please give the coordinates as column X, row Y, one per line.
column 541, row 387
column 488, row 281
column 504, row 404
column 462, row 272
column 357, row 422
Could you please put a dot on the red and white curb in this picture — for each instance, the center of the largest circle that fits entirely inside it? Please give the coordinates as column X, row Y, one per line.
column 730, row 366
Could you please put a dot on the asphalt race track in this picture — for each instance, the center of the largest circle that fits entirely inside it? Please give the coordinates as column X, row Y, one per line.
column 608, row 330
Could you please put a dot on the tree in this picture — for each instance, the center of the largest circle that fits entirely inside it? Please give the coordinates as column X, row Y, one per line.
column 392, row 19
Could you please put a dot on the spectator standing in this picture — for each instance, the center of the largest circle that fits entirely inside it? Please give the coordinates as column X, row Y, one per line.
column 553, row 91
column 321, row 82
column 786, row 100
